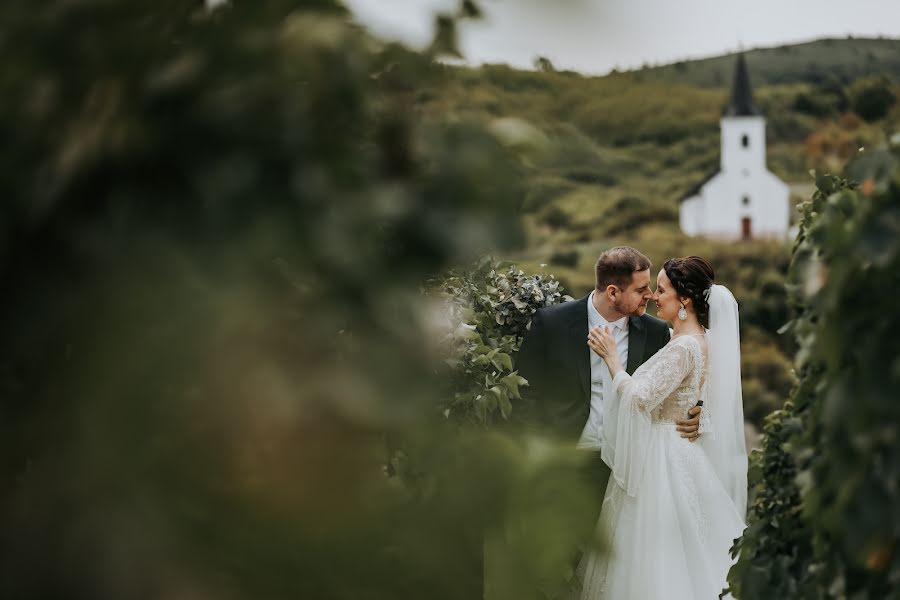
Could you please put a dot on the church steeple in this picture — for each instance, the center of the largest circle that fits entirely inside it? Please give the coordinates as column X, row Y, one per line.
column 741, row 103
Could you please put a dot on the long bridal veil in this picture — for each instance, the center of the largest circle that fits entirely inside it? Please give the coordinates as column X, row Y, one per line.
column 725, row 445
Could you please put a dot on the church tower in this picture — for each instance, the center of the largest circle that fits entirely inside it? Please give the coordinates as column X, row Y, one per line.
column 743, row 127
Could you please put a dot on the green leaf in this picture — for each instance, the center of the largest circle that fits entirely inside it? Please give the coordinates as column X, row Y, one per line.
column 502, row 401
column 512, row 383
column 481, row 360
column 491, row 400
column 481, row 409
column 503, row 361
column 464, row 331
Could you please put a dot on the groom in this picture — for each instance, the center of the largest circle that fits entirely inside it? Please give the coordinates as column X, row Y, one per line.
column 568, row 383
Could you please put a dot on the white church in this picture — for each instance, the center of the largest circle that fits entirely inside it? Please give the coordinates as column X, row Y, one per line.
column 743, row 200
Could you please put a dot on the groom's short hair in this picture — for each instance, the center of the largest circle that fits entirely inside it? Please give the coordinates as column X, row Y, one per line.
column 617, row 265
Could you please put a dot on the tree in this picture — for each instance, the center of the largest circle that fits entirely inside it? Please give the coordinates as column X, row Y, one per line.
column 542, row 63
column 872, row 98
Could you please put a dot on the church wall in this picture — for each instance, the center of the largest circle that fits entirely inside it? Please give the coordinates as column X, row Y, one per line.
column 767, row 205
column 690, row 215
column 721, row 208
column 772, row 213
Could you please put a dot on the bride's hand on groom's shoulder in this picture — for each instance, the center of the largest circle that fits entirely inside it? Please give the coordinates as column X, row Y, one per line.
column 690, row 427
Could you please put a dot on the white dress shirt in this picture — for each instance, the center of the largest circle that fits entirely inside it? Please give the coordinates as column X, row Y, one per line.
column 601, row 380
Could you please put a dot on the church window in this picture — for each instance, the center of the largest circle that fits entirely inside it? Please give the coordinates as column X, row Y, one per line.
column 745, row 141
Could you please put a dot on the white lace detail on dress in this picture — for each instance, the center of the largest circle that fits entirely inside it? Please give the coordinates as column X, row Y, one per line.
column 656, row 379
column 667, row 386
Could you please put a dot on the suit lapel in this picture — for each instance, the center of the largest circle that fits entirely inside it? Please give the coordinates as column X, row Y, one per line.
column 578, row 327
column 637, row 340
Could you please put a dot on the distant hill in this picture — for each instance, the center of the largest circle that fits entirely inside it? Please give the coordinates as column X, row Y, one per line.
column 664, row 121
column 844, row 59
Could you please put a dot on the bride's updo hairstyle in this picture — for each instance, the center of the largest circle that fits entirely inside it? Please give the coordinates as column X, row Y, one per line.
column 692, row 277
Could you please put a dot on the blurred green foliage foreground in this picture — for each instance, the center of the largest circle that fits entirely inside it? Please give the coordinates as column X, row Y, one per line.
column 214, row 229
column 824, row 517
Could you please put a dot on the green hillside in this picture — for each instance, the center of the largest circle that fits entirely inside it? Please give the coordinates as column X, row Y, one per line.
column 844, row 59
column 605, row 161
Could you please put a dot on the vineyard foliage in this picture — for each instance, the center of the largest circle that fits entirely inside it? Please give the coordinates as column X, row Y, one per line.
column 824, row 520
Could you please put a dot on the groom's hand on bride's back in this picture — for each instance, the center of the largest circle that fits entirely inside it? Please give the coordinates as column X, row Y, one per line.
column 690, row 427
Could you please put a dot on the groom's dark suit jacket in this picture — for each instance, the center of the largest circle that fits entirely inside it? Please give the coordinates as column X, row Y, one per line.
column 555, row 359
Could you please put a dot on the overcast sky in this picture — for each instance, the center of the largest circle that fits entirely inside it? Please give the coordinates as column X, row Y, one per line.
column 593, row 36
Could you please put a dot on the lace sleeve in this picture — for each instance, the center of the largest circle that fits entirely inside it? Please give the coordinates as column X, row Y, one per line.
column 626, row 419
column 705, row 421
column 648, row 387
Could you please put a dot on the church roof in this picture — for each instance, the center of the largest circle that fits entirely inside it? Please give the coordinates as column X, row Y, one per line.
column 741, row 103
column 695, row 189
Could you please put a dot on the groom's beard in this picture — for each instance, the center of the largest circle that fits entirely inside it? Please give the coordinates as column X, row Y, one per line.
column 631, row 311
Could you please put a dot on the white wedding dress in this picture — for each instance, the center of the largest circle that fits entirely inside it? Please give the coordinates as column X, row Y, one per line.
column 668, row 519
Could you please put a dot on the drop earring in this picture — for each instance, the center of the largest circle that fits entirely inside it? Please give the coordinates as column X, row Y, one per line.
column 682, row 314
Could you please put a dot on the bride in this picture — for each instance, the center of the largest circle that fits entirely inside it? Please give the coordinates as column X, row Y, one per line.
column 672, row 508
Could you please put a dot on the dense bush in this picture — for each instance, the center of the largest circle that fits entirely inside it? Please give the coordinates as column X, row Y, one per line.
column 566, row 258
column 629, row 212
column 824, row 99
column 490, row 308
column 872, row 98
column 766, row 375
column 541, row 192
column 556, row 217
column 811, row 104
column 823, row 519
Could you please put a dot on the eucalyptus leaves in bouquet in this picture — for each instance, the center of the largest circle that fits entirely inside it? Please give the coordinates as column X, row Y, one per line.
column 489, row 308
